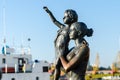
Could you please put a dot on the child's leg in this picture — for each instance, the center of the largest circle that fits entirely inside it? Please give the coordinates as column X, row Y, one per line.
column 57, row 69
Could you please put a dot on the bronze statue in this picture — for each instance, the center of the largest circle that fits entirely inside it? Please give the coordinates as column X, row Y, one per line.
column 62, row 39
column 74, row 61
column 77, row 59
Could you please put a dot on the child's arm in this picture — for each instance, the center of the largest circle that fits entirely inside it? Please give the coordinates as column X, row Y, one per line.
column 60, row 25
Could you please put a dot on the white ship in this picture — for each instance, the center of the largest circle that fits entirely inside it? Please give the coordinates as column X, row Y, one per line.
column 17, row 65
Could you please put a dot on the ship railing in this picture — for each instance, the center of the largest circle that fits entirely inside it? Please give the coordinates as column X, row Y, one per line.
column 9, row 68
column 14, row 68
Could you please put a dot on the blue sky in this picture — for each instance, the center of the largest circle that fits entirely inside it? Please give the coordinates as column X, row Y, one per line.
column 27, row 19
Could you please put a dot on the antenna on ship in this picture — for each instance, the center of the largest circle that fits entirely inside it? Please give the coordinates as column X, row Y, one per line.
column 4, row 29
column 29, row 48
column 22, row 48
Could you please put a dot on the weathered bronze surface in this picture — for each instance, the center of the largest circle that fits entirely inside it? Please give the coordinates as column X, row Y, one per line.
column 73, row 60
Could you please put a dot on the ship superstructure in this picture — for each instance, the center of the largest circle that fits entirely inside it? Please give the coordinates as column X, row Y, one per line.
column 19, row 66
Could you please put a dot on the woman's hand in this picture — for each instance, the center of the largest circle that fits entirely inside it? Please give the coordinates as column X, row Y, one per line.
column 60, row 54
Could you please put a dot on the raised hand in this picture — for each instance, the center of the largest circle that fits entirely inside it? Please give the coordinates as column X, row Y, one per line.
column 46, row 9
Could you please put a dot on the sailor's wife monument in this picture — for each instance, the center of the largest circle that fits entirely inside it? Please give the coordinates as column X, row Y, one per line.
column 73, row 61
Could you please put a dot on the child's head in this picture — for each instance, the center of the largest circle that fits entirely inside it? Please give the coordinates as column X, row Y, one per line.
column 70, row 16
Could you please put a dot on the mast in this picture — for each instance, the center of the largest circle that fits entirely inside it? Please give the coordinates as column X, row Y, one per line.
column 29, row 48
column 4, row 28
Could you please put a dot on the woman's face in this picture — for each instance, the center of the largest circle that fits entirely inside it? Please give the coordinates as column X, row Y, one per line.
column 73, row 33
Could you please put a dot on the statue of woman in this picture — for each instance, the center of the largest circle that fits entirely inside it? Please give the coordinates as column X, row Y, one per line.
column 77, row 59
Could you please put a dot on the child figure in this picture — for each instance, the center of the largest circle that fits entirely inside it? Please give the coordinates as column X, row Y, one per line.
column 62, row 39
